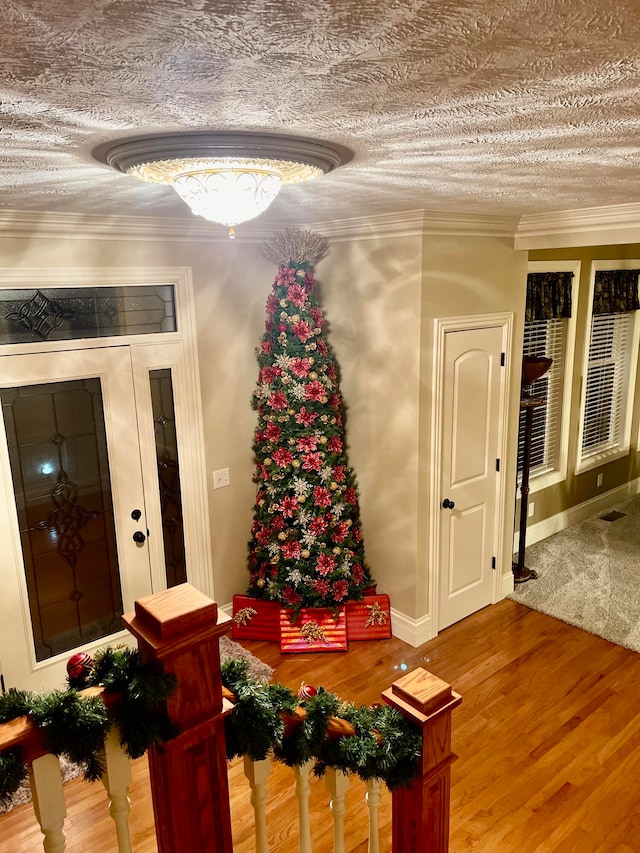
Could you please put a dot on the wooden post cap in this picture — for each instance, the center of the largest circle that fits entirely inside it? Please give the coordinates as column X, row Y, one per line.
column 170, row 613
column 423, row 690
column 172, row 618
column 420, row 695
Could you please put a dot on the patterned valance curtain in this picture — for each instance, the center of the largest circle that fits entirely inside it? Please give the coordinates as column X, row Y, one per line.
column 615, row 291
column 548, row 296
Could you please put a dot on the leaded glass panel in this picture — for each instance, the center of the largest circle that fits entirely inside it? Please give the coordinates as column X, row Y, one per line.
column 59, row 463
column 168, row 475
column 70, row 313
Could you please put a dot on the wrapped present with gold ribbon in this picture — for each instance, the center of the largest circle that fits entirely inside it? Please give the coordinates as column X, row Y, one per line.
column 369, row 619
column 255, row 619
column 316, row 629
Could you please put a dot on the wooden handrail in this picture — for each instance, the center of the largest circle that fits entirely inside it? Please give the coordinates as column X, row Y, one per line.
column 23, row 732
column 336, row 726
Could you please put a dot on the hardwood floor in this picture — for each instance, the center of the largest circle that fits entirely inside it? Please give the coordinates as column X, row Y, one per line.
column 548, row 739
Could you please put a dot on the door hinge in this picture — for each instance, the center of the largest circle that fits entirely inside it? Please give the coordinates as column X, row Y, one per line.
column 493, row 562
column 503, row 358
column 497, row 464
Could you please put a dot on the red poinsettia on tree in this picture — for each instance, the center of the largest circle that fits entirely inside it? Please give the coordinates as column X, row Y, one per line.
column 306, row 548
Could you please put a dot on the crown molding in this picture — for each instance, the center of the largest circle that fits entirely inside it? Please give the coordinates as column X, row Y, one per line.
column 79, row 226
column 593, row 226
column 86, row 226
column 416, row 223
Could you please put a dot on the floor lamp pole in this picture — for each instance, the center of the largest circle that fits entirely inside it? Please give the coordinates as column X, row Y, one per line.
column 520, row 572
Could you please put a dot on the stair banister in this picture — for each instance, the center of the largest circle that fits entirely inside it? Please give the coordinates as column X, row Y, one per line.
column 178, row 630
column 46, row 779
column 420, row 810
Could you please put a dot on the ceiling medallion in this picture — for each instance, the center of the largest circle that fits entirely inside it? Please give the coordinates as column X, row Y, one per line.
column 225, row 177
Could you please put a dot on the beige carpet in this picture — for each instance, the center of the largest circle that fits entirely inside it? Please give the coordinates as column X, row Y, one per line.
column 589, row 576
column 228, row 651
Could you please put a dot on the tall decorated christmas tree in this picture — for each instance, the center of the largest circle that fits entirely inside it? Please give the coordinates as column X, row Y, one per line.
column 306, row 547
column 309, row 582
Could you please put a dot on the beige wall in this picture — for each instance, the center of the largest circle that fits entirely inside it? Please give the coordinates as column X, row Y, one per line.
column 577, row 488
column 380, row 298
column 473, row 275
column 231, row 283
column 371, row 293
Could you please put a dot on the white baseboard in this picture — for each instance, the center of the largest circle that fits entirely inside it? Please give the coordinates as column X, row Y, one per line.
column 506, row 585
column 576, row 514
column 412, row 631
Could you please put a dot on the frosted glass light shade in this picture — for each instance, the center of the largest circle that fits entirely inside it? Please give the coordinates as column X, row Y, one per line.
column 227, row 177
column 228, row 196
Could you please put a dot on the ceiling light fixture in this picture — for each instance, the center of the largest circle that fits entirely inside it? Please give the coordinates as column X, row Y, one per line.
column 225, row 177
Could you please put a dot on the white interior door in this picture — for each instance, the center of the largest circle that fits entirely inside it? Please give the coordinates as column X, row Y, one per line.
column 471, row 406
column 72, row 483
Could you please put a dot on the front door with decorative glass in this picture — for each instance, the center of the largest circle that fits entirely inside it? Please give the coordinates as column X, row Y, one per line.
column 73, row 526
column 102, row 478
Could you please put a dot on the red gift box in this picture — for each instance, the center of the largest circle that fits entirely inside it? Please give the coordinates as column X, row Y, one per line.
column 255, row 619
column 369, row 619
column 315, row 630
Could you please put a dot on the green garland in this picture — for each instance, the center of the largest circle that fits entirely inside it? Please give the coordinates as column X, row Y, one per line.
column 385, row 745
column 76, row 726
column 138, row 712
column 13, row 771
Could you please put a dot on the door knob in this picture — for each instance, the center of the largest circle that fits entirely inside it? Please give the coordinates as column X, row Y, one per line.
column 139, row 537
column 447, row 504
column 135, row 515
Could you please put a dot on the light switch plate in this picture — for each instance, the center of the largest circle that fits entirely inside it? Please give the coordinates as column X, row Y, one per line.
column 221, row 478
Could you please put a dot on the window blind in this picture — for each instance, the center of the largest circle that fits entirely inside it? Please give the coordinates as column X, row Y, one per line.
column 607, row 377
column 545, row 338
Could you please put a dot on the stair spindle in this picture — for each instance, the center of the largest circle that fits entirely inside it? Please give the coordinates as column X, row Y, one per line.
column 258, row 772
column 373, row 804
column 117, row 780
column 303, row 791
column 337, row 784
column 48, row 801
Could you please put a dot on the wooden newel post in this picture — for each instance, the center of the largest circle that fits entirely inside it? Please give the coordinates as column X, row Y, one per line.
column 420, row 811
column 179, row 629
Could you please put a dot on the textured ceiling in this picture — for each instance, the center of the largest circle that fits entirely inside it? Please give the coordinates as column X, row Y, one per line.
column 476, row 106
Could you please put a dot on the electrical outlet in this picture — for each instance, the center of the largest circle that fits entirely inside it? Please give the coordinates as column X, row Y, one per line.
column 599, row 480
column 532, row 509
column 221, row 478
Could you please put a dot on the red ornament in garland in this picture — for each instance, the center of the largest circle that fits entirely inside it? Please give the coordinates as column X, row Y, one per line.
column 306, row 548
column 79, row 668
column 306, row 691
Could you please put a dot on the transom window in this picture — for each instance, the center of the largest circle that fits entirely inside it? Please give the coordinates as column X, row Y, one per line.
column 69, row 313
